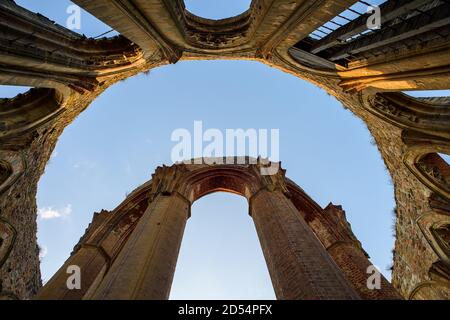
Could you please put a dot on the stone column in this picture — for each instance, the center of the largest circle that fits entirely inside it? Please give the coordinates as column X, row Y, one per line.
column 299, row 265
column 92, row 263
column 349, row 255
column 145, row 267
column 355, row 265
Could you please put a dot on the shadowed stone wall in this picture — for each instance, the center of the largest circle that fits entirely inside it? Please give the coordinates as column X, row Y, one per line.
column 408, row 132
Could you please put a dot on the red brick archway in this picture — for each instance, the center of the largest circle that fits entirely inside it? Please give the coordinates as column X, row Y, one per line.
column 131, row 253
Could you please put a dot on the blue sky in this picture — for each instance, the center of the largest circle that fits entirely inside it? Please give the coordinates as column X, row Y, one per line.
column 104, row 155
column 217, row 9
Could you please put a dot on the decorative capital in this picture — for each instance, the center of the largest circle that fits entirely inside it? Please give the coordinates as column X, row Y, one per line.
column 270, row 174
column 166, row 180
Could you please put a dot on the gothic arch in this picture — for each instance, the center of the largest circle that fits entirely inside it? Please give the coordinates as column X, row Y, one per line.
column 358, row 74
column 287, row 220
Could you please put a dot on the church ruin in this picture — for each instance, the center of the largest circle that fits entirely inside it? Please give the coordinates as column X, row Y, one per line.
column 366, row 70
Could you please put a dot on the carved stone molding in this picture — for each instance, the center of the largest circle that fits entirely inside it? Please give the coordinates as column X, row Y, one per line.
column 12, row 165
column 439, row 203
column 5, row 171
column 202, row 33
column 8, row 296
column 440, row 272
column 33, row 49
column 422, row 160
column 36, row 52
column 436, row 170
column 271, row 175
column 430, row 290
column 435, row 227
column 7, row 238
column 98, row 219
column 28, row 111
column 441, row 233
column 410, row 113
column 109, row 231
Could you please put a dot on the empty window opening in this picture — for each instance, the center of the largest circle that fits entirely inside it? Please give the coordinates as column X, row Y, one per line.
column 220, row 257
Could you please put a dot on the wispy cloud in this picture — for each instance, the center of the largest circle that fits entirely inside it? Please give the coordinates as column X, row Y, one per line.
column 84, row 165
column 48, row 213
column 43, row 252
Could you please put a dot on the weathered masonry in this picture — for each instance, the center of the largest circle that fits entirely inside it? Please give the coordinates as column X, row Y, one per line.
column 131, row 253
column 366, row 70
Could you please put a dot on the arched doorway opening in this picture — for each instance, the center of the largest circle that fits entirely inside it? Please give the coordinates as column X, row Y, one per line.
column 220, row 256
